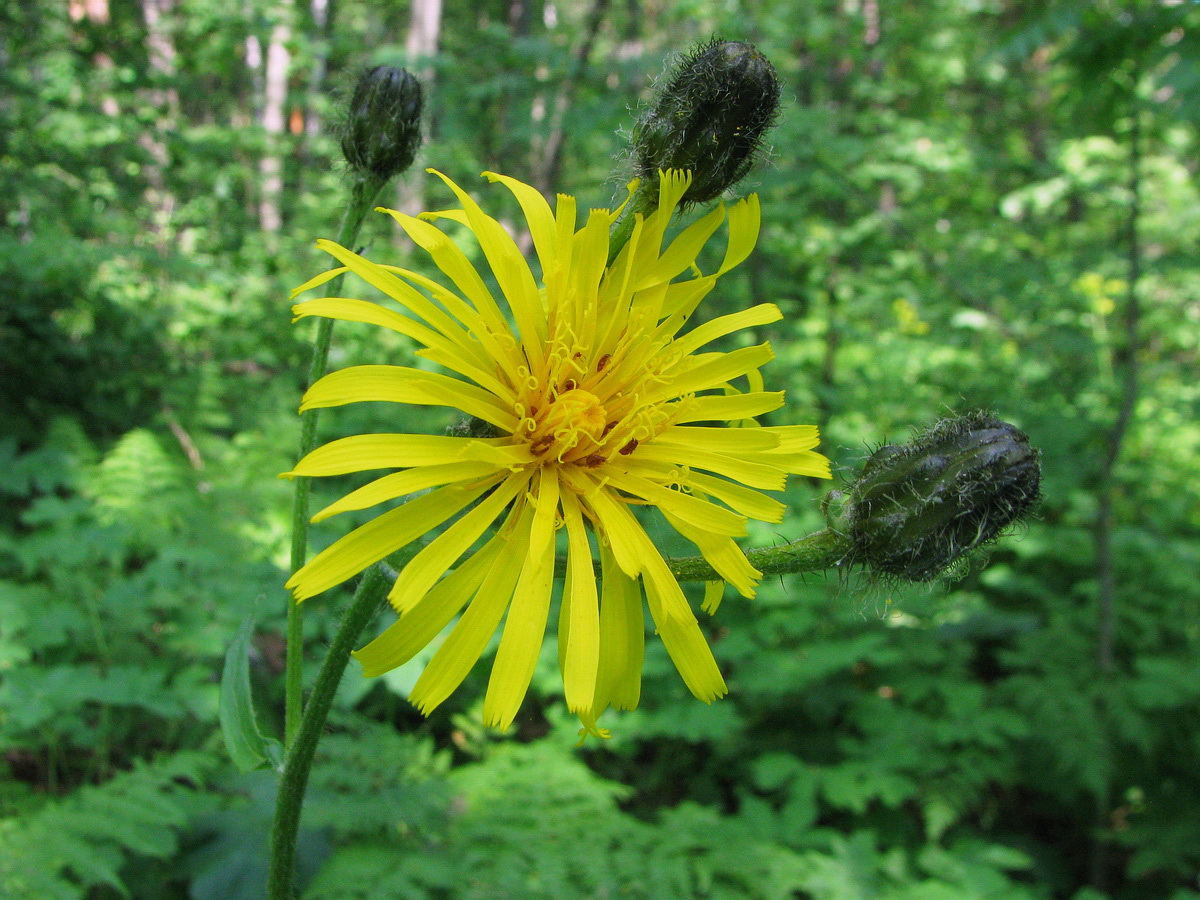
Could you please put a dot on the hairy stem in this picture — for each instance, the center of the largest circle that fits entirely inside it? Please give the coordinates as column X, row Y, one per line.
column 644, row 202
column 818, row 551
column 363, row 192
column 298, row 762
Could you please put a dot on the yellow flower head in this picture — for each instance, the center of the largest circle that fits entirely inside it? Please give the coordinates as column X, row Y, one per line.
column 595, row 395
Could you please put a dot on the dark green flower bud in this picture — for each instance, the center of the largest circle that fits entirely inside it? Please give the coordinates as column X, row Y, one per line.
column 917, row 509
column 383, row 125
column 710, row 116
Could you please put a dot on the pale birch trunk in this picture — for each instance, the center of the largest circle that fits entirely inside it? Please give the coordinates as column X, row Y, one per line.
column 274, row 122
column 421, row 46
column 160, row 47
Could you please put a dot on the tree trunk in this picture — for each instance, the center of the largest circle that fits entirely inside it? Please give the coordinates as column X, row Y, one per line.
column 160, row 50
column 275, row 88
column 319, row 11
column 548, row 163
column 421, row 46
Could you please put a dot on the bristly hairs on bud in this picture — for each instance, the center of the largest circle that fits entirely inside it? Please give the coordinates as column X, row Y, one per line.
column 381, row 126
column 709, row 115
column 916, row 511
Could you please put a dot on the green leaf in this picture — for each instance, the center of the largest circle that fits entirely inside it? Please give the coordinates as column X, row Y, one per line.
column 245, row 742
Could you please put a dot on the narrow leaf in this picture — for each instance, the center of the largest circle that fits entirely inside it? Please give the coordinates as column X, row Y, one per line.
column 245, row 743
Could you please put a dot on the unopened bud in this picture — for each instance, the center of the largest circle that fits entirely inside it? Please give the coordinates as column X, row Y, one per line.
column 383, row 126
column 710, row 117
column 917, row 509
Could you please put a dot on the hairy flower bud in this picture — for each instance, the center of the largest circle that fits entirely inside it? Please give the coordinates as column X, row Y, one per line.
column 383, row 125
column 917, row 509
column 710, row 117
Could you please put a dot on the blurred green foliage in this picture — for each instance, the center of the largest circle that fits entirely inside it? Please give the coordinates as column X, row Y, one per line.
column 946, row 226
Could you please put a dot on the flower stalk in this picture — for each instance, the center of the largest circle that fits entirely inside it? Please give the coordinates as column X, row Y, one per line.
column 379, row 139
column 298, row 762
column 363, row 191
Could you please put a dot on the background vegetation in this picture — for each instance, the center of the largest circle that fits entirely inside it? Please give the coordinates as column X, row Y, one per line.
column 969, row 204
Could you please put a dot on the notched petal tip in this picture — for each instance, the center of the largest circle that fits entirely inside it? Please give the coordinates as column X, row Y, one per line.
column 369, row 670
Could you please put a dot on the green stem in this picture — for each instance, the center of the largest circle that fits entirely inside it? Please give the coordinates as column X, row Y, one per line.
column 814, row 553
column 643, row 201
column 363, row 192
column 298, row 762
column 818, row 551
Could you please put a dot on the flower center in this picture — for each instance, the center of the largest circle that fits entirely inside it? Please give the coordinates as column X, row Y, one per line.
column 574, row 421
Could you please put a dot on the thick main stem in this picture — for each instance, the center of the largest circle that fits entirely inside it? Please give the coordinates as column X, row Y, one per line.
column 363, row 192
column 298, row 761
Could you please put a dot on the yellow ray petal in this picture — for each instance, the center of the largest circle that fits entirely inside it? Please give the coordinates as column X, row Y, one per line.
column 686, row 646
column 564, row 227
column 718, row 440
column 581, row 653
column 589, row 256
column 713, row 591
column 424, row 569
column 619, row 528
column 317, row 281
column 453, row 263
column 680, row 301
column 646, row 308
column 794, row 454
column 683, row 250
column 755, row 474
column 672, row 185
column 538, row 215
column 633, row 550
column 347, row 310
column 456, row 352
column 744, row 220
column 622, row 638
column 380, row 537
column 470, row 637
column 401, row 484
column 363, row 452
column 814, row 465
column 763, row 314
column 645, row 250
column 511, row 271
column 380, row 278
column 745, row 500
column 493, row 332
column 699, row 513
column 796, row 437
column 526, row 624
column 408, row 635
column 721, row 553
column 714, row 370
column 400, row 384
column 727, row 407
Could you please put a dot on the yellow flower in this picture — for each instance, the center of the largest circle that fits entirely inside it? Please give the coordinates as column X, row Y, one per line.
column 596, row 398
